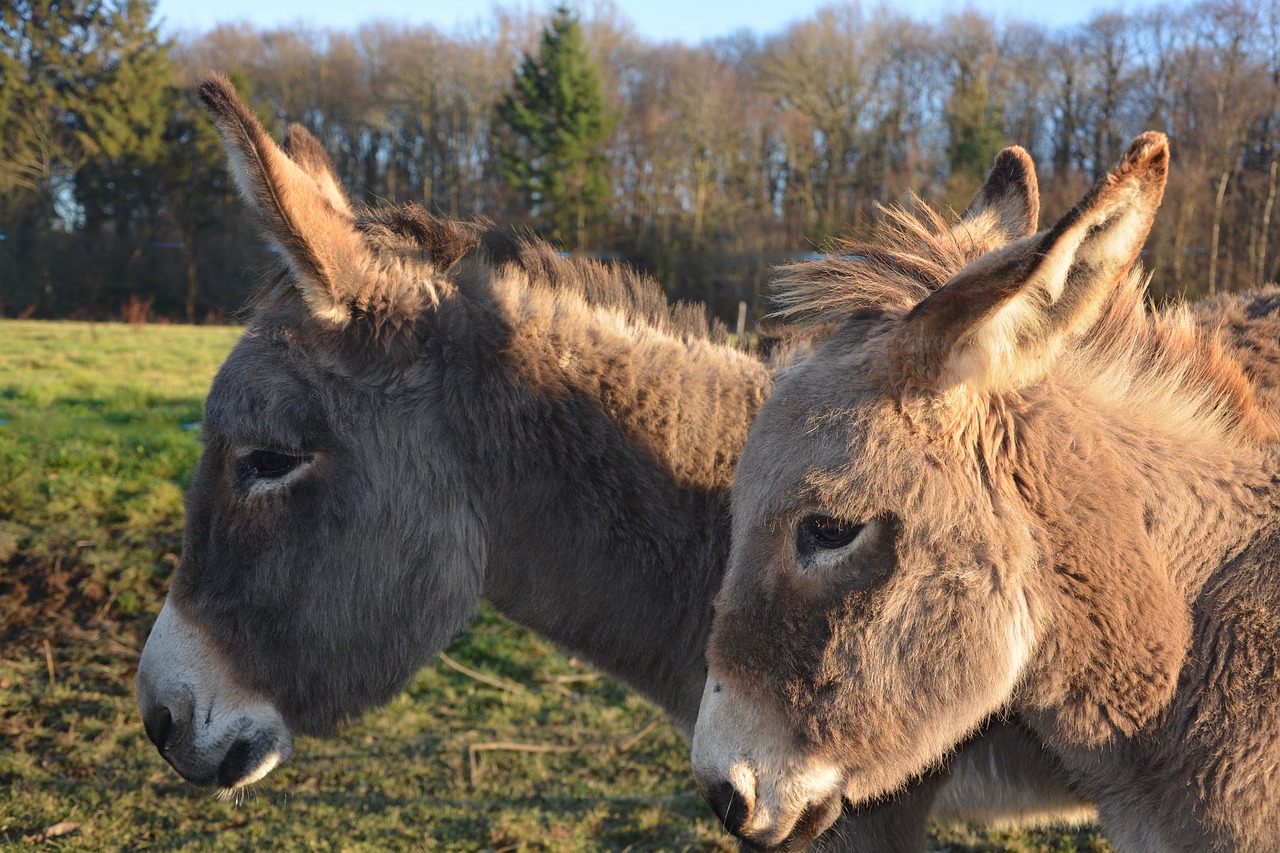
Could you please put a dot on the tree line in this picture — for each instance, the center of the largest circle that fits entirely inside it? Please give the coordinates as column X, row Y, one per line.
column 714, row 161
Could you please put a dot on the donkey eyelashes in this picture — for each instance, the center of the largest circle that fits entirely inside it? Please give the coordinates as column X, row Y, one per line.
column 826, row 532
column 824, row 540
column 260, row 470
column 269, row 465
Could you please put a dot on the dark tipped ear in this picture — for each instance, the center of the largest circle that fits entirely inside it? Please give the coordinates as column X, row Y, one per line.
column 305, row 150
column 327, row 256
column 999, row 322
column 1011, row 194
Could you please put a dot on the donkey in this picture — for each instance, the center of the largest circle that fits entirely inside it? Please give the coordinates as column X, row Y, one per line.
column 423, row 412
column 1004, row 485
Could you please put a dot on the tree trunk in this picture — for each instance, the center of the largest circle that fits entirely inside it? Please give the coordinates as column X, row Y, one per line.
column 1180, row 241
column 1218, row 202
column 1264, row 227
column 193, row 284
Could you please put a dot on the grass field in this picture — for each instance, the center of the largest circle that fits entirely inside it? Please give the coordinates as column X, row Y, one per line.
column 529, row 750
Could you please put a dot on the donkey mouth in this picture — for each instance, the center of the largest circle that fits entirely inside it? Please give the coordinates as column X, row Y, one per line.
column 248, row 760
column 812, row 822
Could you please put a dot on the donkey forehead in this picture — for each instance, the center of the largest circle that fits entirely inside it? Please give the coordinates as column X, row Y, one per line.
column 828, row 436
column 267, row 392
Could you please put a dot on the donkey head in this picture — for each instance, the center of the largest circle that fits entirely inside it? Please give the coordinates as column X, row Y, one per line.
column 886, row 590
column 288, row 613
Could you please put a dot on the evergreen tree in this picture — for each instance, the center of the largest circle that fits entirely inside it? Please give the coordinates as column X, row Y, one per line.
column 558, row 121
column 123, row 120
column 133, row 95
column 88, row 92
column 45, row 55
column 80, row 80
column 976, row 126
column 46, row 63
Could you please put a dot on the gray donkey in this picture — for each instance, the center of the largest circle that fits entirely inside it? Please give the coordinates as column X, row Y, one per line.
column 1005, row 485
column 423, row 412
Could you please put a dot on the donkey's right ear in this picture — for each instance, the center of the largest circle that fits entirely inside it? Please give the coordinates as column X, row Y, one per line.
column 1011, row 195
column 317, row 239
column 1000, row 322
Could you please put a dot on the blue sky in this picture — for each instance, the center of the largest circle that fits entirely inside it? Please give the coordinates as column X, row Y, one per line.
column 691, row 21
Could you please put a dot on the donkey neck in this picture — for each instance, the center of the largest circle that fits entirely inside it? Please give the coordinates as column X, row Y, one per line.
column 1203, row 505
column 603, row 452
column 1134, row 517
column 1190, row 501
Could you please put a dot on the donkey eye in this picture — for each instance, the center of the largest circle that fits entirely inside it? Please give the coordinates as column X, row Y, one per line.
column 269, row 465
column 822, row 532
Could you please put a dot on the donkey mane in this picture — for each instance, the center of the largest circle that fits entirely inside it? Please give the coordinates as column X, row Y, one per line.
column 611, row 286
column 1173, row 362
column 408, row 233
column 916, row 254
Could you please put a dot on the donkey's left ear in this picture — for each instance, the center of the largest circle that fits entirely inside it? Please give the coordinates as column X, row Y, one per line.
column 314, row 234
column 305, row 150
column 1000, row 322
column 1010, row 196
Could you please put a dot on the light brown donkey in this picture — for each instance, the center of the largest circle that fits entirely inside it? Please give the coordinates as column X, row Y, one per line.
column 423, row 412
column 1005, row 485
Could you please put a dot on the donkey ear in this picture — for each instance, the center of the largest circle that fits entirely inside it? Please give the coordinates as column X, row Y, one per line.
column 305, row 150
column 1011, row 195
column 317, row 240
column 999, row 323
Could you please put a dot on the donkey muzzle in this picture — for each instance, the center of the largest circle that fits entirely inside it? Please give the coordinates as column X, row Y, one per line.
column 764, row 787
column 205, row 723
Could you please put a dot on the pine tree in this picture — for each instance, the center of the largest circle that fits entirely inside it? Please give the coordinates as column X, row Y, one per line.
column 124, row 109
column 133, row 91
column 973, row 115
column 45, row 49
column 87, row 118
column 976, row 123
column 122, row 118
column 558, row 121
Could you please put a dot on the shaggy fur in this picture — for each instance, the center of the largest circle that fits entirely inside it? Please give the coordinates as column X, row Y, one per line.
column 472, row 415
column 1069, row 512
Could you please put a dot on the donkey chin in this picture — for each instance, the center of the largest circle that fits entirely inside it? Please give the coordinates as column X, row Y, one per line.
column 213, row 730
column 771, row 795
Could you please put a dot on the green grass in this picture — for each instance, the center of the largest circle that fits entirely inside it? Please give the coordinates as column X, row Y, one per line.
column 93, row 459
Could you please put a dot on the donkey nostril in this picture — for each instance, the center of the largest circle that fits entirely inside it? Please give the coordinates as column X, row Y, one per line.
column 729, row 805
column 159, row 726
